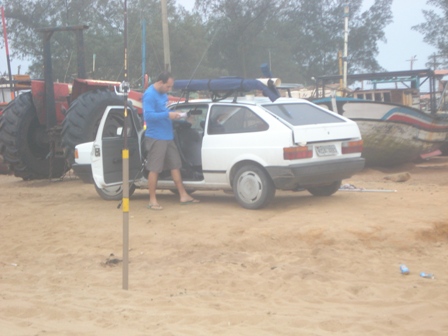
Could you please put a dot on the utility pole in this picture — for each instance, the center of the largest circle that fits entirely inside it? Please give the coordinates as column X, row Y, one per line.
column 346, row 13
column 166, row 37
column 434, row 62
column 412, row 60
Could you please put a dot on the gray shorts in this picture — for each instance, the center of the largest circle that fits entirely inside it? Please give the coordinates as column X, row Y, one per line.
column 161, row 155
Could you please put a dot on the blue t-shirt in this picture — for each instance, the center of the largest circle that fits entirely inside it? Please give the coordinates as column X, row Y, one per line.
column 158, row 123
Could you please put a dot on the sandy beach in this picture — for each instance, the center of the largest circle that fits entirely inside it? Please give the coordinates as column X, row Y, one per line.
column 303, row 266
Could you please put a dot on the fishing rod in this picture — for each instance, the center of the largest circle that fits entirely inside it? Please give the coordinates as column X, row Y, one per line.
column 200, row 61
column 125, row 156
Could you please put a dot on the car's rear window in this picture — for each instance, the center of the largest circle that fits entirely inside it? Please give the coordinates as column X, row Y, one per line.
column 303, row 114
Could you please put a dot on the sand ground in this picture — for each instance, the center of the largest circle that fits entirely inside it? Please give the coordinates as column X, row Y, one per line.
column 303, row 266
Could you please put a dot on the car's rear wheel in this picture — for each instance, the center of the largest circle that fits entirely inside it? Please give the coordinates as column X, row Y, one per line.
column 113, row 193
column 252, row 187
column 326, row 190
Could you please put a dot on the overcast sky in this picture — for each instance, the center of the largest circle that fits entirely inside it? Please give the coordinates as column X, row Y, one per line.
column 402, row 42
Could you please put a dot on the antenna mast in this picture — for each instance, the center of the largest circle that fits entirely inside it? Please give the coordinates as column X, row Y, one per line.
column 346, row 12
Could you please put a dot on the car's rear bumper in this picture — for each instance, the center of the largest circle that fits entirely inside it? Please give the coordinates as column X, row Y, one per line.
column 303, row 175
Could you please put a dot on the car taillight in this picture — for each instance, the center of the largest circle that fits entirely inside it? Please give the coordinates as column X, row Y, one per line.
column 351, row 147
column 76, row 154
column 298, row 152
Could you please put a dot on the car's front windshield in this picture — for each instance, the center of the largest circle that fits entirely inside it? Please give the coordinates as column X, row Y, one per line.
column 299, row 114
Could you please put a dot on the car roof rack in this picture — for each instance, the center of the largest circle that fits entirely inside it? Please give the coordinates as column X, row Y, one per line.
column 224, row 87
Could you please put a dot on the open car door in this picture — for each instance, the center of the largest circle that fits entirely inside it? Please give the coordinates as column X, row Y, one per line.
column 106, row 156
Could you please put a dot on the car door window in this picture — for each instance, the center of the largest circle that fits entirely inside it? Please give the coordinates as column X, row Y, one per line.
column 112, row 143
column 196, row 115
column 228, row 119
column 114, row 124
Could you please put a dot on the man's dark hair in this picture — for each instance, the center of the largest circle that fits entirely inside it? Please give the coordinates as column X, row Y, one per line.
column 164, row 76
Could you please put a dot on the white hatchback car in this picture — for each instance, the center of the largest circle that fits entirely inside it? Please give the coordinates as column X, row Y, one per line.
column 249, row 146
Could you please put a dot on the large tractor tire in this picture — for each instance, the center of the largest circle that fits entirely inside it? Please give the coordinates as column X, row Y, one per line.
column 82, row 121
column 25, row 143
column 4, row 167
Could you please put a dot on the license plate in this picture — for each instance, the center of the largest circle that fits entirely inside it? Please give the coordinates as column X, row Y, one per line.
column 326, row 150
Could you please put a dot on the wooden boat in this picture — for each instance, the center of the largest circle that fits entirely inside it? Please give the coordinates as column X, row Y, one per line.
column 393, row 134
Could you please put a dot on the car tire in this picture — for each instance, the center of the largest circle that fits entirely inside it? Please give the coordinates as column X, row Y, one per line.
column 326, row 190
column 113, row 193
column 253, row 187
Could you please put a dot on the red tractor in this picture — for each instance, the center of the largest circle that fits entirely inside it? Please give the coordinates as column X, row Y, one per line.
column 40, row 128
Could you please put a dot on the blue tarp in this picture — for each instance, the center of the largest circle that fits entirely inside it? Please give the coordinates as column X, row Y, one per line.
column 226, row 84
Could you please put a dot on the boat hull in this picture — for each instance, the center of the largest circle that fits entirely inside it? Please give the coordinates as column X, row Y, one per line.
column 393, row 134
column 388, row 144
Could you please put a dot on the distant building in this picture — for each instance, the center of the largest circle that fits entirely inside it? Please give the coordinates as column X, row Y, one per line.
column 5, row 90
column 442, row 89
column 20, row 82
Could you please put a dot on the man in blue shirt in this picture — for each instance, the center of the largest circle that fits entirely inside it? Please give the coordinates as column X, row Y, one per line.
column 159, row 139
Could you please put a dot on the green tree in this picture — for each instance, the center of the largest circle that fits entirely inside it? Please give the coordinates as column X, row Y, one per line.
column 434, row 31
column 188, row 41
column 241, row 29
column 299, row 39
column 103, row 17
column 104, row 37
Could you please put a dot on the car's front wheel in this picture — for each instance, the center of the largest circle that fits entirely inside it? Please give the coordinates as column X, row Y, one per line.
column 252, row 187
column 326, row 190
